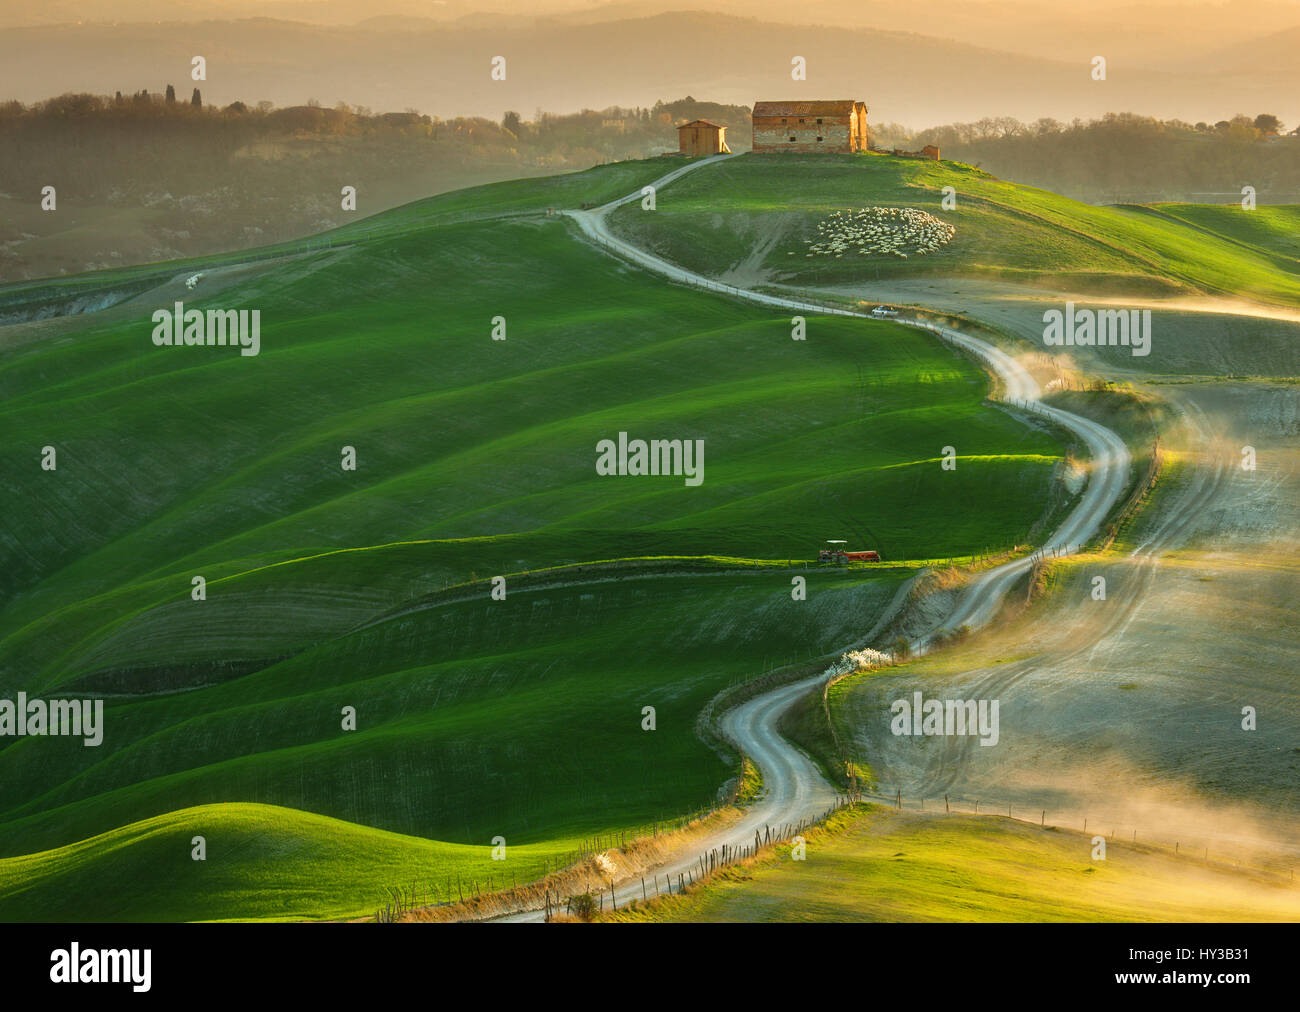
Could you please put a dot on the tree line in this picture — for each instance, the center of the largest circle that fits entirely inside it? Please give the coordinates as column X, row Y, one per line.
column 181, row 178
column 1125, row 156
column 186, row 177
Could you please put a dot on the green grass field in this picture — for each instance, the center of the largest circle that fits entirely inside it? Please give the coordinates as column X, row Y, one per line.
column 875, row 864
column 1272, row 228
column 369, row 588
column 474, row 717
column 482, row 450
column 714, row 221
column 492, row 200
column 281, row 863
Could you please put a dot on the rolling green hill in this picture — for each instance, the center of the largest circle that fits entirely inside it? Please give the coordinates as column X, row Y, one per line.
column 264, row 862
column 516, row 196
column 475, row 717
column 715, row 221
column 329, row 588
column 182, row 462
column 1272, row 228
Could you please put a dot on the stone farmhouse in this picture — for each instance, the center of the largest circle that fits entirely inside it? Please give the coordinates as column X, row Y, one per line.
column 838, row 125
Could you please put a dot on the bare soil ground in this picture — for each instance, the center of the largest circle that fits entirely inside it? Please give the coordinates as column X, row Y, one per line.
column 1198, row 337
column 1128, row 711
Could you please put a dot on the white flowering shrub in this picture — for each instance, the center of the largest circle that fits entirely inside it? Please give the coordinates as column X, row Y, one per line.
column 866, row 659
column 886, row 231
column 859, row 660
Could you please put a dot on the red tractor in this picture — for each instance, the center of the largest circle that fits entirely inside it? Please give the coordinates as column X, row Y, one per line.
column 839, row 556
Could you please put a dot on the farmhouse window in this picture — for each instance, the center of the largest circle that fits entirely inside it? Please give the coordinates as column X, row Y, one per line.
column 791, row 140
column 819, row 140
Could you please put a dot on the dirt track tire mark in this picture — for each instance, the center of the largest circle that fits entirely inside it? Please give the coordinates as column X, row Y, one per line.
column 1207, row 485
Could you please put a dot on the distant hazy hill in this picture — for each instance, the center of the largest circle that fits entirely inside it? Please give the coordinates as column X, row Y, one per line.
column 444, row 69
column 325, row 12
column 1273, row 56
column 1152, row 34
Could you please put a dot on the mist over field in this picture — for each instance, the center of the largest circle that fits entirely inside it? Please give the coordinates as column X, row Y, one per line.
column 575, row 461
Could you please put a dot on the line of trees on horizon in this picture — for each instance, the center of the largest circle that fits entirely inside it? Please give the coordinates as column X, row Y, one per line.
column 1126, row 155
column 191, row 178
column 169, row 178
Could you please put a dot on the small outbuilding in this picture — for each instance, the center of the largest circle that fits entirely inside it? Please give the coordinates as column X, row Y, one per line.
column 929, row 153
column 700, row 137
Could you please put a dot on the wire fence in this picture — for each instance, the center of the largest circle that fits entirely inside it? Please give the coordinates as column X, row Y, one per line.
column 511, row 889
column 707, row 862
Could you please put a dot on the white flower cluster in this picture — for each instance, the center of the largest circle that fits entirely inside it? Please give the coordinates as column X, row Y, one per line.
column 893, row 231
column 859, row 660
column 866, row 658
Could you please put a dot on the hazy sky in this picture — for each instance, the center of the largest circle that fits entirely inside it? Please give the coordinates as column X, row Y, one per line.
column 1193, row 13
column 918, row 62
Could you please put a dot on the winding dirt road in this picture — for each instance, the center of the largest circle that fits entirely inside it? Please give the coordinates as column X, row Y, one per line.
column 1110, row 457
column 793, row 787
